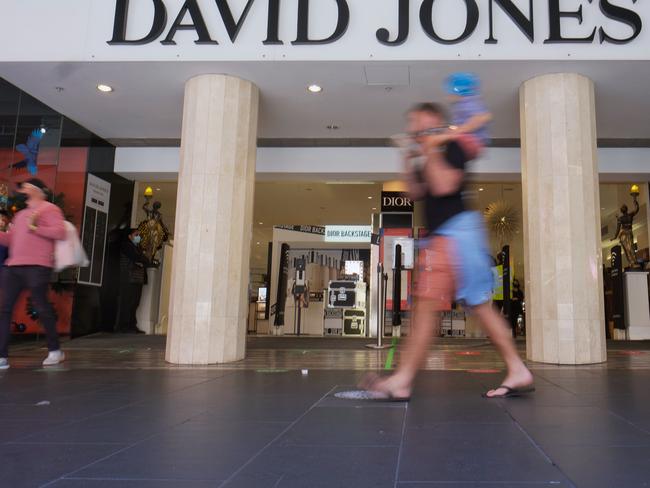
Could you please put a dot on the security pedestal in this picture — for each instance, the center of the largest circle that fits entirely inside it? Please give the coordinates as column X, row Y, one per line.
column 637, row 305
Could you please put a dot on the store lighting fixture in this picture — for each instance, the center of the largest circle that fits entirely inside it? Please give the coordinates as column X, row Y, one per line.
column 148, row 192
column 481, row 189
column 374, row 208
column 261, row 223
column 369, row 198
column 43, row 130
column 104, row 88
column 314, row 88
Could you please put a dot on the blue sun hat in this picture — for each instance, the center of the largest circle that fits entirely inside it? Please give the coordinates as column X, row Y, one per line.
column 462, row 84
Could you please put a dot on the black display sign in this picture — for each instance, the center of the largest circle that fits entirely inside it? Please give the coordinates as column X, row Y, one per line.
column 618, row 292
column 281, row 295
column 191, row 16
column 307, row 229
column 395, row 201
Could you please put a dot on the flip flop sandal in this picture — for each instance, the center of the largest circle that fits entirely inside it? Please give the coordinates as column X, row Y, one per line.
column 370, row 396
column 511, row 392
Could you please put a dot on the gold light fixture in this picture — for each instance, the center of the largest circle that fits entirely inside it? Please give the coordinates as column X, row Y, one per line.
column 148, row 192
column 502, row 219
column 634, row 190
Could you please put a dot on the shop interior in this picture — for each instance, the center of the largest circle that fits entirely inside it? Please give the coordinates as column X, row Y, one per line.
column 281, row 205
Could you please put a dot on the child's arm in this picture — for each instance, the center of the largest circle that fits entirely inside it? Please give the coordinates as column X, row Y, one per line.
column 475, row 123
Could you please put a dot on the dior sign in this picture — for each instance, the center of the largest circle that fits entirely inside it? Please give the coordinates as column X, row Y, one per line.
column 562, row 21
column 395, row 201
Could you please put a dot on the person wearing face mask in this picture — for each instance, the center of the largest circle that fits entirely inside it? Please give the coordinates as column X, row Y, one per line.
column 5, row 220
column 30, row 241
column 133, row 276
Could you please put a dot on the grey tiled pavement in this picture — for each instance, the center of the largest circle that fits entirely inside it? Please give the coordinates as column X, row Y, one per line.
column 245, row 428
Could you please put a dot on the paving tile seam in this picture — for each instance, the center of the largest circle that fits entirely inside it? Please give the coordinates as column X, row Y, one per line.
column 276, row 438
column 119, row 478
column 62, row 443
column 125, row 448
column 356, row 446
column 538, row 447
column 628, row 421
column 401, row 445
column 486, row 483
column 606, row 410
column 111, row 411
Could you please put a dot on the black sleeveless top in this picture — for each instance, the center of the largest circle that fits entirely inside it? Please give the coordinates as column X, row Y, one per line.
column 439, row 209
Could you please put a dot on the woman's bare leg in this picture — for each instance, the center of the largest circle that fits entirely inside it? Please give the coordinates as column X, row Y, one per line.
column 495, row 326
column 426, row 320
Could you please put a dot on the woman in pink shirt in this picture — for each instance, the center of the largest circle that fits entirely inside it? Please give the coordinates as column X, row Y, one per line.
column 31, row 241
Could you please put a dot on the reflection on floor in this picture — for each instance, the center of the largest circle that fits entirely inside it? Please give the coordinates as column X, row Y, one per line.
column 106, row 351
column 115, row 415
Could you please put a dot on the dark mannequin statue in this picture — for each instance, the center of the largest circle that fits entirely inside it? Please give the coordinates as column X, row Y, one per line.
column 153, row 230
column 624, row 232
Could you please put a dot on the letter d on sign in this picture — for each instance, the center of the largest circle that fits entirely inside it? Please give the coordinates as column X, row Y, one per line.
column 121, row 17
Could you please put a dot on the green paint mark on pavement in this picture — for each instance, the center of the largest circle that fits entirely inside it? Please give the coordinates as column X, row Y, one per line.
column 391, row 355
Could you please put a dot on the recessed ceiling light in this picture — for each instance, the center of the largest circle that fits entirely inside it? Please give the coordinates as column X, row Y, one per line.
column 257, row 243
column 481, row 189
column 261, row 223
column 314, row 88
column 104, row 88
column 157, row 189
column 369, row 198
column 374, row 208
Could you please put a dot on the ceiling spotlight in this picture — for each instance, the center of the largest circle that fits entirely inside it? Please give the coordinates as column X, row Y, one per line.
column 104, row 88
column 314, row 88
column 374, row 208
column 261, row 223
column 481, row 189
column 369, row 198
column 43, row 130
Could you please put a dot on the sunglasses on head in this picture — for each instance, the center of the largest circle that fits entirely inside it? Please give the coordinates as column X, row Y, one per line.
column 429, row 132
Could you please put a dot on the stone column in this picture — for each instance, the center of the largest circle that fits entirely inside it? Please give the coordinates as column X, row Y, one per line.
column 564, row 285
column 214, row 215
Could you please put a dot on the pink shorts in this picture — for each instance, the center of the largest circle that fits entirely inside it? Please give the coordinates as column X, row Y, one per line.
column 436, row 276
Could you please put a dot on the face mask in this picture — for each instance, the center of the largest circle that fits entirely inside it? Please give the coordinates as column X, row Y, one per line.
column 136, row 240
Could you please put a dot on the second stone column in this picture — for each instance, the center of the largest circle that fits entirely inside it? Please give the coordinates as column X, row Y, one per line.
column 564, row 284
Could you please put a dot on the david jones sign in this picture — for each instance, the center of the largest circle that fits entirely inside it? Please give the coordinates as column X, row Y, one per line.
column 561, row 17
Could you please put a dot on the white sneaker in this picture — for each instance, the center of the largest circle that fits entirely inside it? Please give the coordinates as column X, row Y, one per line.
column 4, row 363
column 54, row 358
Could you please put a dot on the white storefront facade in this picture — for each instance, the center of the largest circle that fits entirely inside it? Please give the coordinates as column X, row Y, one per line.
column 213, row 94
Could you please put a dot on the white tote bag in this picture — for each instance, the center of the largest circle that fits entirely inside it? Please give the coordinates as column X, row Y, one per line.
column 69, row 253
